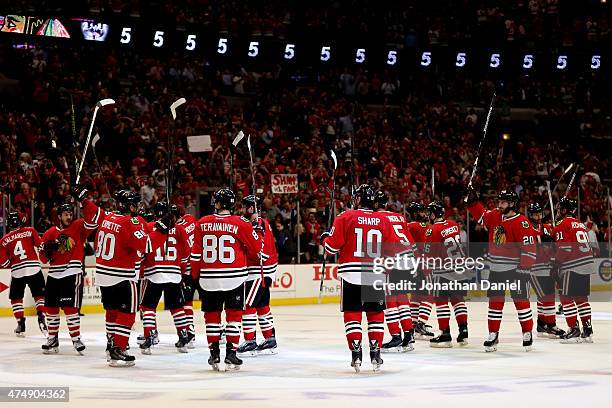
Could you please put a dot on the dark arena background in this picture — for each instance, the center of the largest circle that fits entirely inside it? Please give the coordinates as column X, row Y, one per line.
column 341, row 134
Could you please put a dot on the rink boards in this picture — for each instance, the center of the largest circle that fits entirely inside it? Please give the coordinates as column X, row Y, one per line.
column 294, row 285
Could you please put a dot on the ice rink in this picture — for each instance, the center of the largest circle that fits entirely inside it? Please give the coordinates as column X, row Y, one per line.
column 312, row 368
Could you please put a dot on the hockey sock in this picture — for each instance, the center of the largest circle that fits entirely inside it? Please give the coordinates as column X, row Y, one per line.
column 123, row 327
column 249, row 323
column 17, row 305
column 148, row 320
column 523, row 308
column 266, row 321
column 73, row 321
column 232, row 328
column 180, row 319
column 443, row 314
column 40, row 304
column 213, row 326
column 392, row 317
column 53, row 321
column 569, row 310
column 376, row 327
column 403, row 307
column 189, row 315
column 425, row 309
column 584, row 309
column 414, row 309
column 461, row 311
column 548, row 311
column 111, row 319
column 352, row 327
column 496, row 307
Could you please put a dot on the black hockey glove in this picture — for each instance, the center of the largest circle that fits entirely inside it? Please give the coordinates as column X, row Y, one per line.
column 165, row 223
column 50, row 248
column 259, row 226
column 471, row 195
column 324, row 235
column 79, row 193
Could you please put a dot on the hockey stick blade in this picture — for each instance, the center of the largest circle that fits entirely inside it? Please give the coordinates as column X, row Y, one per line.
column 175, row 105
column 95, row 140
column 104, row 102
column 333, row 156
column 238, row 138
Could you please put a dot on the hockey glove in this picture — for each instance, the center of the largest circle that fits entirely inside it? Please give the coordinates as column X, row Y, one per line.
column 165, row 223
column 259, row 226
column 472, row 195
column 324, row 235
column 50, row 248
column 79, row 193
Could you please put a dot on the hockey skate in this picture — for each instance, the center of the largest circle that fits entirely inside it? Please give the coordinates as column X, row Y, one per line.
column 51, row 346
column 154, row 338
column 120, row 358
column 232, row 362
column 528, row 341
column 356, row 356
column 443, row 340
column 422, row 332
column 183, row 341
column 268, row 346
column 573, row 336
column 78, row 345
column 110, row 343
column 215, row 356
column 587, row 332
column 408, row 341
column 462, row 338
column 191, row 344
column 554, row 332
column 145, row 347
column 375, row 358
column 541, row 329
column 394, row 344
column 21, row 328
column 248, row 347
column 42, row 324
column 491, row 342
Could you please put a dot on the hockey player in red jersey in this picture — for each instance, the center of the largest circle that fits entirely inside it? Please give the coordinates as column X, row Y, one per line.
column 574, row 257
column 189, row 282
column 361, row 236
column 442, row 250
column 512, row 253
column 120, row 243
column 219, row 256
column 421, row 302
column 18, row 251
column 257, row 301
column 63, row 247
column 163, row 271
column 397, row 311
column 542, row 278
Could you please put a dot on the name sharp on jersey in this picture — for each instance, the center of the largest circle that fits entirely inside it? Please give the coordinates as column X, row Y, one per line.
column 219, row 226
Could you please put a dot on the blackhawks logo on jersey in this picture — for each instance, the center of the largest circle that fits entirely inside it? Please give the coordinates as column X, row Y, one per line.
column 66, row 243
column 428, row 232
column 525, row 224
column 499, row 235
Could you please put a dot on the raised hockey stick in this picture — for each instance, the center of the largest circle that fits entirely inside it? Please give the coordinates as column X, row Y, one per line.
column 329, row 221
column 571, row 182
column 169, row 158
column 550, row 201
column 235, row 142
column 433, row 183
column 261, row 271
column 99, row 104
column 484, row 136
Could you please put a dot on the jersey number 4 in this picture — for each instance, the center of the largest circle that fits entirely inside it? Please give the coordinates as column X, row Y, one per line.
column 19, row 251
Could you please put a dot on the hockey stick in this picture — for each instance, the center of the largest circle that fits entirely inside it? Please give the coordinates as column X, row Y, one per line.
column 99, row 104
column 562, row 175
column 571, row 182
column 550, row 201
column 433, row 183
column 261, row 271
column 235, row 142
column 484, row 136
column 329, row 221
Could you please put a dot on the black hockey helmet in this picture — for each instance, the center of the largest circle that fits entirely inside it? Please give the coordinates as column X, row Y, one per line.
column 175, row 210
column 13, row 220
column 127, row 199
column 252, row 201
column 414, row 208
column 65, row 207
column 381, row 198
column 509, row 196
column 225, row 198
column 160, row 209
column 436, row 208
column 534, row 208
column 568, row 204
column 364, row 196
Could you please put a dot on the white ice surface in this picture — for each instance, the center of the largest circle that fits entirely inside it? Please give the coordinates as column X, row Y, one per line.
column 312, row 368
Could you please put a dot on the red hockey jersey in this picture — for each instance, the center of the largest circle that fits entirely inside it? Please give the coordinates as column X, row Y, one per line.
column 188, row 222
column 18, row 250
column 121, row 242
column 269, row 256
column 417, row 230
column 511, row 239
column 167, row 262
column 545, row 253
column 442, row 249
column 573, row 251
column 68, row 259
column 220, row 248
column 361, row 236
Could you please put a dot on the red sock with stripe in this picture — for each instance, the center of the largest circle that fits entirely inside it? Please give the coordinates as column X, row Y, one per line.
column 73, row 320
column 460, row 310
column 17, row 306
column 123, row 328
column 570, row 311
column 149, row 320
column 443, row 315
column 40, row 304
column 352, row 327
column 249, row 323
column 266, row 321
column 376, row 327
column 232, row 328
column 110, row 320
column 403, row 307
column 180, row 319
column 584, row 309
column 496, row 307
column 392, row 316
column 189, row 313
column 213, row 326
column 53, row 320
column 525, row 316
